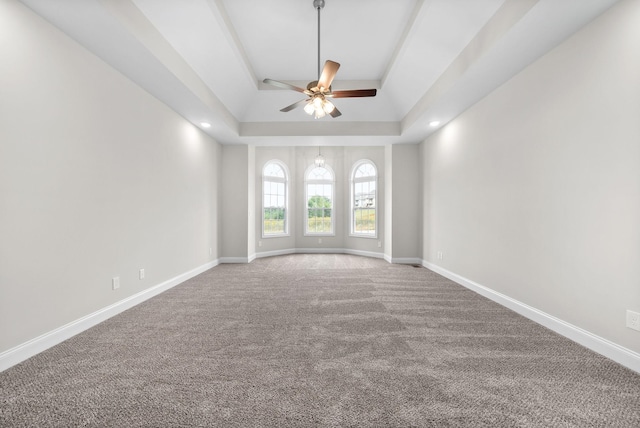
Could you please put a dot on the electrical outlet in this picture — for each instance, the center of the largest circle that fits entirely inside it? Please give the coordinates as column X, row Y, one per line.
column 115, row 283
column 141, row 273
column 379, row 244
column 259, row 243
column 319, row 240
column 440, row 255
column 633, row 320
column 210, row 251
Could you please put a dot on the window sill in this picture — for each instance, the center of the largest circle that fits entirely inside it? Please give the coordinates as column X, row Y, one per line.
column 358, row 235
column 276, row 235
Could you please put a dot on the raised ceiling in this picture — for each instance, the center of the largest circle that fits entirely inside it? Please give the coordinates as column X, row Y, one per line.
column 429, row 59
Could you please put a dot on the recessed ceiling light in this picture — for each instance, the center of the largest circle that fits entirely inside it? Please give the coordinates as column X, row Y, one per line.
column 434, row 123
column 205, row 124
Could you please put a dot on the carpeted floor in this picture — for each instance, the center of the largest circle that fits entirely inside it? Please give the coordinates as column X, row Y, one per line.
column 319, row 340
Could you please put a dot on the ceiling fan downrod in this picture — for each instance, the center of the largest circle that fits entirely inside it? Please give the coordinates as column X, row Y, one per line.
column 319, row 92
column 318, row 4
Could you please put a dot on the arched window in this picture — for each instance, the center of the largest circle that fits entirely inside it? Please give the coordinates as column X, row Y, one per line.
column 319, row 192
column 364, row 195
column 275, row 191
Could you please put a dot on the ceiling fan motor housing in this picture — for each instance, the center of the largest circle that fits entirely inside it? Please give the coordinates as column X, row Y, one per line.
column 318, row 4
column 314, row 84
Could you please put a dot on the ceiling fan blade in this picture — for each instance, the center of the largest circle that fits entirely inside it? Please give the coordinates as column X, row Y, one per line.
column 283, row 85
column 328, row 73
column 335, row 112
column 294, row 105
column 352, row 93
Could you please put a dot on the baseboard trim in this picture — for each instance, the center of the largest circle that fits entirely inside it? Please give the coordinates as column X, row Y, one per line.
column 364, row 253
column 43, row 342
column 275, row 253
column 319, row 251
column 234, row 260
column 403, row 260
column 602, row 346
column 407, row 260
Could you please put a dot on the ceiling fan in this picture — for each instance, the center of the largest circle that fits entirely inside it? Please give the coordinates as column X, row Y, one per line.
column 319, row 90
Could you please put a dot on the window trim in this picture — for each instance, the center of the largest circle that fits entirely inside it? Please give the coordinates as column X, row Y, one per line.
column 311, row 167
column 286, row 198
column 352, row 183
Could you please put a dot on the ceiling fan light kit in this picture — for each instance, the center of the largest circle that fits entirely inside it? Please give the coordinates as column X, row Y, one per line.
column 319, row 90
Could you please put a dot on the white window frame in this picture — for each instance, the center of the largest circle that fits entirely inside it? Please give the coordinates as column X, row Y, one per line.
column 352, row 185
column 307, row 181
column 286, row 197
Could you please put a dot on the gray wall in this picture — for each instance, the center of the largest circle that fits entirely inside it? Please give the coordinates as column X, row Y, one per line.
column 235, row 204
column 403, row 188
column 405, row 203
column 90, row 190
column 535, row 191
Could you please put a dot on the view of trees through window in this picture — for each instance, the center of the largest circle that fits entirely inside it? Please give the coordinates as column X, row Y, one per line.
column 274, row 200
column 319, row 201
column 319, row 193
column 319, row 214
column 274, row 209
column 364, row 200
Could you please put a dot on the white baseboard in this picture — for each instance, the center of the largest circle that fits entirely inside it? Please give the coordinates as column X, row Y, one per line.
column 406, row 260
column 275, row 253
column 613, row 351
column 41, row 343
column 234, row 260
column 364, row 253
column 319, row 251
column 403, row 260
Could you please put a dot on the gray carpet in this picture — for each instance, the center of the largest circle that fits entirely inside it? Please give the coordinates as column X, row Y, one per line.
column 319, row 340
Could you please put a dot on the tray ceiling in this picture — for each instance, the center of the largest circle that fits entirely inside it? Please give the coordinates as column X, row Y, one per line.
column 429, row 59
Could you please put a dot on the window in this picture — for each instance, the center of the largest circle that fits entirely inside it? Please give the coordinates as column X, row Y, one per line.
column 364, row 199
column 274, row 199
column 319, row 196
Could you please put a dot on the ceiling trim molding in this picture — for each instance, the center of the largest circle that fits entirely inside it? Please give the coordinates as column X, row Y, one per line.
column 316, row 128
column 402, row 43
column 221, row 15
column 134, row 21
column 508, row 15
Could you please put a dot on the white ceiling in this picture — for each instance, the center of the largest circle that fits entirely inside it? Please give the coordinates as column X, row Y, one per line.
column 429, row 59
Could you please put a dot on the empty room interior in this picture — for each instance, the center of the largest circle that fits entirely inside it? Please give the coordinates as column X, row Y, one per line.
column 444, row 169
